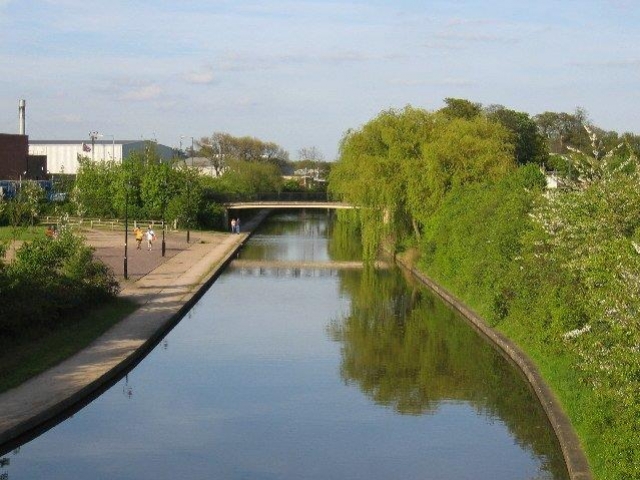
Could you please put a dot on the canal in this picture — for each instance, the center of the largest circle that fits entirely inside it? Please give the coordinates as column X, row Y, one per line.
column 286, row 372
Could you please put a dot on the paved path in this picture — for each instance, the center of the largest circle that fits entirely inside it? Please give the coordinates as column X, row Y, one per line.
column 164, row 288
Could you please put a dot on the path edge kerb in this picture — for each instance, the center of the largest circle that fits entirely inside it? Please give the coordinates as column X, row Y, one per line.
column 108, row 378
column 574, row 457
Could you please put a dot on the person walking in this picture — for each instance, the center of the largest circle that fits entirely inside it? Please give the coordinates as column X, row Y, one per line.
column 233, row 225
column 238, row 225
column 139, row 236
column 151, row 236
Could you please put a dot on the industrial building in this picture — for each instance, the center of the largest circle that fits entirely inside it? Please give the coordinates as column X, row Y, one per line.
column 24, row 158
column 62, row 155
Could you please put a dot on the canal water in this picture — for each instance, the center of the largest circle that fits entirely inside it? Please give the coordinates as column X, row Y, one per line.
column 282, row 372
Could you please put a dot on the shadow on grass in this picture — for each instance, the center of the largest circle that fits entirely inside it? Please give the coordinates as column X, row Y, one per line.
column 24, row 358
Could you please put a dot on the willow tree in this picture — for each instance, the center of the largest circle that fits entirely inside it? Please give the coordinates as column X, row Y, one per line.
column 459, row 152
column 371, row 173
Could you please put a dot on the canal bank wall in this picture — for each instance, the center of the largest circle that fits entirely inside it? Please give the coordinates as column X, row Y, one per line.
column 164, row 296
column 575, row 459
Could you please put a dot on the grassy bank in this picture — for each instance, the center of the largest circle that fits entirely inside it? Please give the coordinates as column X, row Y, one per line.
column 26, row 357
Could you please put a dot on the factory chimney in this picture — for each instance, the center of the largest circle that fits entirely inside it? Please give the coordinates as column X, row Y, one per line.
column 21, row 109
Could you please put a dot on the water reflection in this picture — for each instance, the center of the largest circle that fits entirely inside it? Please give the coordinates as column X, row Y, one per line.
column 407, row 350
column 254, row 388
column 274, row 272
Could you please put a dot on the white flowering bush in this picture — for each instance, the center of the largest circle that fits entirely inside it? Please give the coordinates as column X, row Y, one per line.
column 592, row 232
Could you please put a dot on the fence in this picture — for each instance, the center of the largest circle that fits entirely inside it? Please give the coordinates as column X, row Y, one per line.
column 108, row 224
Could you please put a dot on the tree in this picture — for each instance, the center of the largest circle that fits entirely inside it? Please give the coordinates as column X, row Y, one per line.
column 211, row 148
column 312, row 154
column 461, row 108
column 221, row 147
column 459, row 152
column 529, row 143
column 371, row 171
column 563, row 129
column 94, row 189
column 31, row 196
column 248, row 178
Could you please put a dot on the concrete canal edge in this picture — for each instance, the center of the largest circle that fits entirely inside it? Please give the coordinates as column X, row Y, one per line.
column 41, row 403
column 575, row 459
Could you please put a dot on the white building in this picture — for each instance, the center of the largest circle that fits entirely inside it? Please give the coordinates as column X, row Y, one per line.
column 62, row 155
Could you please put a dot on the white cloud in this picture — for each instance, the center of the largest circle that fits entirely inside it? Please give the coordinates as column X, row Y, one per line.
column 143, row 93
column 476, row 37
column 203, row 77
column 71, row 118
column 422, row 82
column 629, row 63
column 133, row 90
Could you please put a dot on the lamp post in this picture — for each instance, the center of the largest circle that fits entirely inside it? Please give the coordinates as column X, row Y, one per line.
column 188, row 185
column 164, row 207
column 126, row 225
column 93, row 136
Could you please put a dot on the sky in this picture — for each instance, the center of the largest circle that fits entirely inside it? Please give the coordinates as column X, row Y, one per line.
column 302, row 73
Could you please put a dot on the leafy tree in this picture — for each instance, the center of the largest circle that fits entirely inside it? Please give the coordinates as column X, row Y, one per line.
column 94, row 188
column 372, row 168
column 32, row 196
column 460, row 152
column 222, row 147
column 249, row 178
column 530, row 145
column 461, row 108
column 158, row 185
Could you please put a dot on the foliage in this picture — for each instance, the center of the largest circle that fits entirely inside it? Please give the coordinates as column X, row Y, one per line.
column 461, row 108
column 32, row 196
column 94, row 188
column 557, row 270
column 530, row 146
column 222, row 148
column 249, row 178
column 474, row 256
column 48, row 279
column 400, row 166
column 462, row 152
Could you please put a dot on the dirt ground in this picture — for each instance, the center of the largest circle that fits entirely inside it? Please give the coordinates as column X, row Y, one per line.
column 109, row 247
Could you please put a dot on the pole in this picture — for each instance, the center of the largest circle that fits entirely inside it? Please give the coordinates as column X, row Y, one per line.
column 189, row 193
column 93, row 136
column 188, row 187
column 164, row 206
column 126, row 226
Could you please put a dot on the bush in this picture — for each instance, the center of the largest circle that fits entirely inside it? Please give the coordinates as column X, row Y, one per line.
column 48, row 281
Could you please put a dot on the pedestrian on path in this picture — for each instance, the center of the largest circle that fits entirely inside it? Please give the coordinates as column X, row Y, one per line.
column 151, row 236
column 233, row 225
column 238, row 225
column 139, row 236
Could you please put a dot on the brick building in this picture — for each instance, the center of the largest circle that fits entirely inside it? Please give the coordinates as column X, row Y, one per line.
column 15, row 161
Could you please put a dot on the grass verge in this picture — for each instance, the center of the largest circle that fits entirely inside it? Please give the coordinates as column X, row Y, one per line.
column 22, row 360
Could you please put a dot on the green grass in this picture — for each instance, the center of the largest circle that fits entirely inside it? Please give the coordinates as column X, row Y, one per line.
column 7, row 234
column 577, row 399
column 19, row 362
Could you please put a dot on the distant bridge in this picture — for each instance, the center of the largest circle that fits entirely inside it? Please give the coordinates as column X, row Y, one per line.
column 285, row 200
column 280, row 204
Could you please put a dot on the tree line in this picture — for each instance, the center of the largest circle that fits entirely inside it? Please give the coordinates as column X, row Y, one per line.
column 463, row 191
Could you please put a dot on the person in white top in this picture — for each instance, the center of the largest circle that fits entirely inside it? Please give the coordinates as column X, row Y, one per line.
column 151, row 236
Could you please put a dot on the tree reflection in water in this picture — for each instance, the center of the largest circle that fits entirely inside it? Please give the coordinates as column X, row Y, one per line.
column 409, row 351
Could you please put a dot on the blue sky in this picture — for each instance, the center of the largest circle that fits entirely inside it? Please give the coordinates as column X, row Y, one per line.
column 300, row 73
